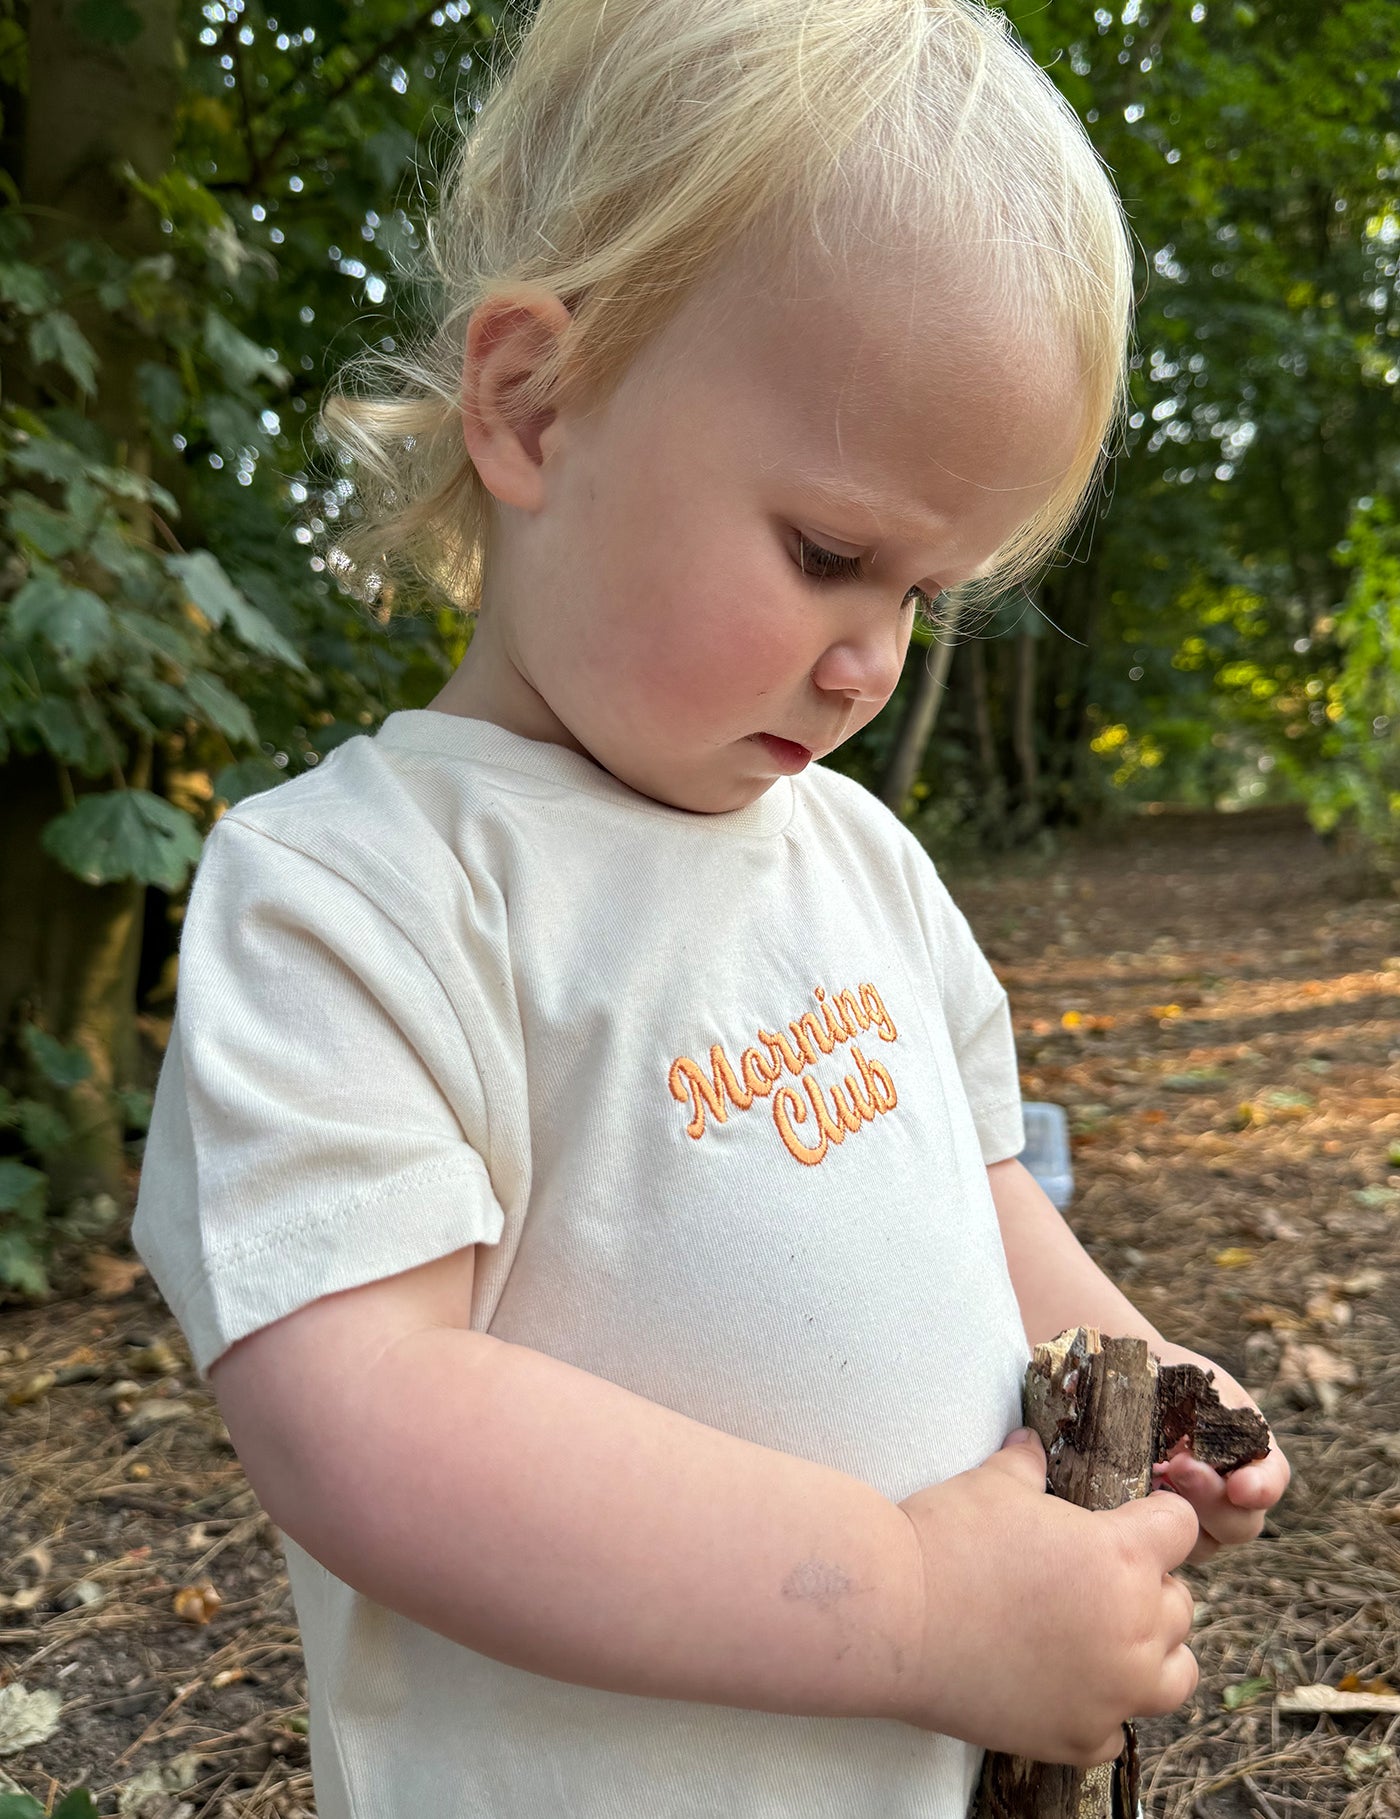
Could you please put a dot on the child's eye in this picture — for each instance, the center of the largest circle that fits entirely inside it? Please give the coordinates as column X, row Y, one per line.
column 826, row 565
column 812, row 559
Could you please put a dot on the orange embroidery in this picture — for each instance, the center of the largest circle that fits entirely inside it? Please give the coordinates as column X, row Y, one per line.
column 814, row 1034
column 702, row 1092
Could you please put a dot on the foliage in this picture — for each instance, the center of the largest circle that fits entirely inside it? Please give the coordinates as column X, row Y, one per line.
column 1258, row 156
column 1359, row 781
column 168, row 640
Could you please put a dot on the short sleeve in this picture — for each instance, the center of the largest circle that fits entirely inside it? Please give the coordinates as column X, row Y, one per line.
column 978, row 1017
column 314, row 1113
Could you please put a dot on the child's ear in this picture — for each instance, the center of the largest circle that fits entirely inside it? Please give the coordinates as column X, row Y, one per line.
column 509, row 337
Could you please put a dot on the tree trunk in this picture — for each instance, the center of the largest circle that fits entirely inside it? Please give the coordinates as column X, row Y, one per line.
column 1023, row 729
column 68, row 958
column 71, row 950
column 982, row 716
column 920, row 718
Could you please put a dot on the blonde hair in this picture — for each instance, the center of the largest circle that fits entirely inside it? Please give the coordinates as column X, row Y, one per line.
column 630, row 148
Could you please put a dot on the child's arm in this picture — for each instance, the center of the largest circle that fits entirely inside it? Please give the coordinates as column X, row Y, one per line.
column 1058, row 1285
column 556, row 1522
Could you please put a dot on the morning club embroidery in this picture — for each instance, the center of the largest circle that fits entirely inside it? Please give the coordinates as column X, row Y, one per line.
column 835, row 1112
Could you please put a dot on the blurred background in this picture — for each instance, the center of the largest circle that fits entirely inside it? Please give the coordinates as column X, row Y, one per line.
column 207, row 209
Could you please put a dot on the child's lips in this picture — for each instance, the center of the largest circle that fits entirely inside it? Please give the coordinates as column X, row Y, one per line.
column 785, row 753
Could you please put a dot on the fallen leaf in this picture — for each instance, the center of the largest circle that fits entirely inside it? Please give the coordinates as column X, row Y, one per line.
column 1233, row 1258
column 1353, row 1683
column 1359, row 1761
column 1164, row 1010
column 154, row 1360
column 1330, row 1699
column 151, row 1794
column 1312, row 1374
column 1277, row 1319
column 33, row 1389
column 26, row 1718
column 1329, row 1310
column 1195, row 1080
column 196, row 1603
column 109, row 1277
column 1071, row 1020
column 1242, row 1693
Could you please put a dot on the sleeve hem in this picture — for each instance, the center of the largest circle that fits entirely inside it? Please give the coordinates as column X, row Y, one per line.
column 245, row 1289
column 1000, row 1131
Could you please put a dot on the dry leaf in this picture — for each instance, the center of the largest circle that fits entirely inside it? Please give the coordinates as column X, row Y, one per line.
column 1234, row 1258
column 154, row 1360
column 1353, row 1683
column 1332, row 1699
column 196, row 1603
column 26, row 1718
column 1277, row 1319
column 32, row 1389
column 1329, row 1310
column 1312, row 1374
column 109, row 1277
column 1359, row 1761
column 1269, row 1222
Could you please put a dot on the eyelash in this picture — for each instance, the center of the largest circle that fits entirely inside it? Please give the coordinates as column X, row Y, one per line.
column 845, row 568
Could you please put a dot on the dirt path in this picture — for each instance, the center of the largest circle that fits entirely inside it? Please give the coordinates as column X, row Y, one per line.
column 1222, row 1020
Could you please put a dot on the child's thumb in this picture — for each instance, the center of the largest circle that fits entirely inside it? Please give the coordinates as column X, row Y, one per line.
column 1024, row 1452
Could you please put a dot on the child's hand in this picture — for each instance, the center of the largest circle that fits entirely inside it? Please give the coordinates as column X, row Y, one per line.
column 1046, row 1626
column 1230, row 1508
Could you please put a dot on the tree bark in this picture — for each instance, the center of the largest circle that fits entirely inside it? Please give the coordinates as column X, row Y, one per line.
column 1106, row 1411
column 71, row 950
column 1023, row 728
column 920, row 718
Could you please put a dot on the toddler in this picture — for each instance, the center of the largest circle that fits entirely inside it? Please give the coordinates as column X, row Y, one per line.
column 584, row 1161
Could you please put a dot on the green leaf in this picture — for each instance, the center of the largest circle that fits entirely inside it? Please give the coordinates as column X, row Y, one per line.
column 240, row 360
column 60, row 729
column 218, row 599
column 124, row 833
column 22, row 1188
column 52, row 533
column 220, row 707
column 21, row 1266
column 43, row 1127
column 77, row 1804
column 69, row 618
column 29, row 290
column 143, row 633
column 48, row 457
column 249, row 777
column 108, row 21
column 1244, row 1692
column 136, row 1104
column 232, row 426
column 20, row 1806
column 62, row 1064
column 58, row 337
column 162, row 394
column 127, row 484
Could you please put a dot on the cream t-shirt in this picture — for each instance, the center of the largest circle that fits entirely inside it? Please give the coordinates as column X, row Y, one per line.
column 715, row 1094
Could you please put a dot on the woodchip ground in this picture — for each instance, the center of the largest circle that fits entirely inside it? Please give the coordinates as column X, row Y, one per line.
column 1216, row 1002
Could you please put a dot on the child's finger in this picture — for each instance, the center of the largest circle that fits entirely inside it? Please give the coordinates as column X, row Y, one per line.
column 1221, row 1519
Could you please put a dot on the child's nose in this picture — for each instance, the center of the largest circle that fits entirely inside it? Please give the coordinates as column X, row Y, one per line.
column 864, row 666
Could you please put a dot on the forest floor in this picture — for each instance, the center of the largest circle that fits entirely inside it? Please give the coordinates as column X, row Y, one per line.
column 1216, row 1002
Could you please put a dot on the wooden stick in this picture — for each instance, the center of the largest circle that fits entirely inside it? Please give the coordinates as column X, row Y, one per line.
column 1106, row 1411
